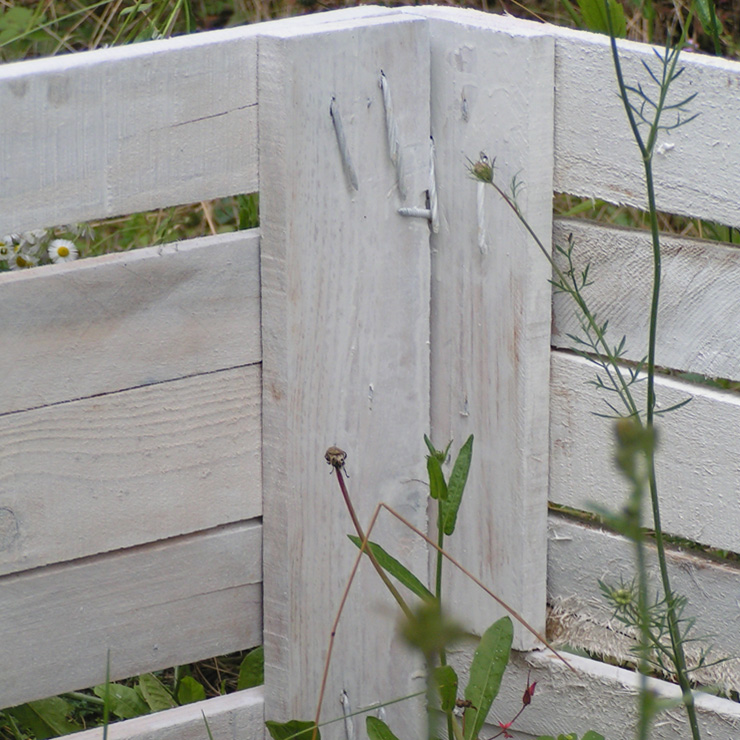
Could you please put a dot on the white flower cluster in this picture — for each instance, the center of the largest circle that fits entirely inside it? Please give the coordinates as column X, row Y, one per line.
column 19, row 251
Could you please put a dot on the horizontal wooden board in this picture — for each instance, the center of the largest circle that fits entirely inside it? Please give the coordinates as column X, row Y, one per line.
column 580, row 555
column 698, row 459
column 699, row 298
column 237, row 716
column 123, row 320
column 599, row 697
column 128, row 129
column 159, row 605
column 127, row 468
column 696, row 167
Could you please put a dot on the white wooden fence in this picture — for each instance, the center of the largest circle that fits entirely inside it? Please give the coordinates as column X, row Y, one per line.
column 164, row 413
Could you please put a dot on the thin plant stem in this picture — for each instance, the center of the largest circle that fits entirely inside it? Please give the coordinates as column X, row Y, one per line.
column 350, row 580
column 358, row 528
column 438, row 594
column 646, row 150
column 620, row 382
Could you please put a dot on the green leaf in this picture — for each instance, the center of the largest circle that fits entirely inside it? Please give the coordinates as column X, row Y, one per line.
column 155, row 693
column 394, row 568
column 190, row 690
column 378, row 730
column 437, row 485
column 446, row 680
column 707, row 16
column 208, row 727
column 294, row 729
column 45, row 718
column 486, row 670
column 123, row 701
column 596, row 19
column 14, row 22
column 456, row 486
column 252, row 669
column 591, row 735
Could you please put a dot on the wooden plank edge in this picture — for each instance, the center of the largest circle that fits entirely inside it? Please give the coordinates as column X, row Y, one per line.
column 128, row 320
column 147, row 608
column 697, row 461
column 238, row 716
column 590, row 695
column 697, row 170
column 158, row 452
column 699, row 284
column 580, row 616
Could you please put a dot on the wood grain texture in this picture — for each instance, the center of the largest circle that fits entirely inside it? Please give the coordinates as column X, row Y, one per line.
column 698, row 460
column 698, row 172
column 128, row 129
column 155, row 606
column 492, row 91
column 346, row 359
column 597, row 697
column 698, row 299
column 237, row 716
column 579, row 556
column 127, row 468
column 123, row 320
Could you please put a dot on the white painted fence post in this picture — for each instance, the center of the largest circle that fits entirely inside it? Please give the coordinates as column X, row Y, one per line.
column 492, row 90
column 345, row 303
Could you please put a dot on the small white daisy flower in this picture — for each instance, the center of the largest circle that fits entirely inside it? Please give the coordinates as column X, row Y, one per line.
column 21, row 260
column 33, row 237
column 6, row 248
column 63, row 250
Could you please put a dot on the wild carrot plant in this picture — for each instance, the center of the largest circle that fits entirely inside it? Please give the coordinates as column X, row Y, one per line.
column 662, row 630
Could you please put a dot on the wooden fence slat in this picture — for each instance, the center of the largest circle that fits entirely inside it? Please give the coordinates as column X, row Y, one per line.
column 580, row 555
column 128, row 129
column 345, row 339
column 698, row 296
column 698, row 464
column 599, row 697
column 140, row 464
column 237, row 716
column 159, row 605
column 123, row 320
column 492, row 90
column 696, row 167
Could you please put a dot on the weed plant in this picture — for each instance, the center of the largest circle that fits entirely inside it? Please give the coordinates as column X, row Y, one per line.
column 425, row 625
column 661, row 627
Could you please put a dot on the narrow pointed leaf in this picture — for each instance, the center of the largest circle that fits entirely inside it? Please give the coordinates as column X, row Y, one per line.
column 437, row 485
column 456, row 486
column 488, row 666
column 208, row 727
column 294, row 729
column 378, row 730
column 400, row 572
column 446, row 680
